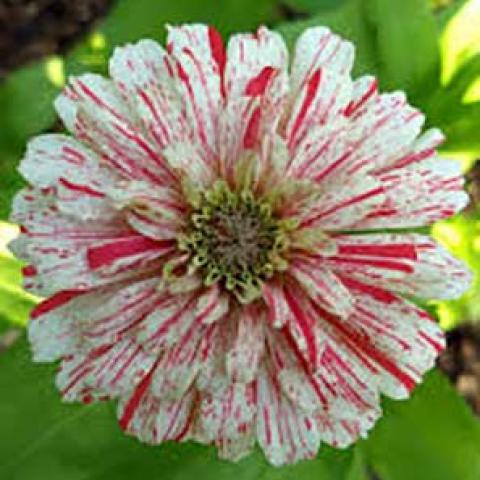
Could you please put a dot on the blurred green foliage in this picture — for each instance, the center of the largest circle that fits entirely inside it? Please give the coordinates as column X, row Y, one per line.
column 43, row 439
column 433, row 54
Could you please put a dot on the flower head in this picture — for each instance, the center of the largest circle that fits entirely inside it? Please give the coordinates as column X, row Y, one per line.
column 209, row 242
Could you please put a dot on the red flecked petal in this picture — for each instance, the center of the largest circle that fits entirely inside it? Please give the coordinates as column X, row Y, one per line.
column 196, row 51
column 153, row 420
column 256, row 91
column 93, row 109
column 108, row 370
column 284, row 432
column 144, row 75
column 227, row 419
column 408, row 263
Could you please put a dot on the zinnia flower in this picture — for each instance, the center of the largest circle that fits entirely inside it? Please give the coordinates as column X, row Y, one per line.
column 211, row 243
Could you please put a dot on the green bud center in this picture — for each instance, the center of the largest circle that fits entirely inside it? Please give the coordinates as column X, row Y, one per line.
column 234, row 239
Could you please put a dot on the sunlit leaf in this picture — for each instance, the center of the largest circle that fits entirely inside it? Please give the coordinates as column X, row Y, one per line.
column 461, row 38
column 461, row 235
column 379, row 29
column 350, row 21
column 413, row 67
column 15, row 303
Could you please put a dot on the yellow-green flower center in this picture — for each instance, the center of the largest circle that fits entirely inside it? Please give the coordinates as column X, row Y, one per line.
column 235, row 239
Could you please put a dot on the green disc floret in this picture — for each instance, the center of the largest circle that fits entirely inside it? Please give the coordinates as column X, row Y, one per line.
column 235, row 239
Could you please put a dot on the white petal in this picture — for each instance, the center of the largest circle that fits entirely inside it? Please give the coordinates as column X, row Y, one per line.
column 318, row 48
column 284, row 433
column 144, row 74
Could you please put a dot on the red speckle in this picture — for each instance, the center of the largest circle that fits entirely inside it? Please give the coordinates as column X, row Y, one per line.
column 29, row 271
column 87, row 399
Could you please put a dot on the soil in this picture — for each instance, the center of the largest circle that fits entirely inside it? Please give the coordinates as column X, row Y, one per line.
column 461, row 362
column 30, row 29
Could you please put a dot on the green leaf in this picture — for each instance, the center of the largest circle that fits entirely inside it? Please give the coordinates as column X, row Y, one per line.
column 313, row 6
column 444, row 13
column 447, row 109
column 43, row 439
column 407, row 46
column 461, row 236
column 349, row 21
column 134, row 19
column 460, row 38
column 26, row 104
column 359, row 469
column 433, row 435
column 462, row 131
column 380, row 30
column 15, row 303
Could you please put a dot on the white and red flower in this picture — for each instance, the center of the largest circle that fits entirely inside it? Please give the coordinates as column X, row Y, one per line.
column 208, row 244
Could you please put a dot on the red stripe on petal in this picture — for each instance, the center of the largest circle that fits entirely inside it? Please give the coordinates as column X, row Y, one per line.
column 312, row 88
column 219, row 55
column 96, row 99
column 73, row 156
column 54, row 302
column 109, row 253
column 353, row 106
column 136, row 398
column 186, row 428
column 439, row 347
column 303, row 323
column 398, row 250
column 80, row 188
column 347, row 203
column 377, row 293
column 389, row 265
column 306, row 368
column 251, row 133
column 359, row 344
column 413, row 158
column 257, row 85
